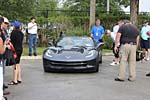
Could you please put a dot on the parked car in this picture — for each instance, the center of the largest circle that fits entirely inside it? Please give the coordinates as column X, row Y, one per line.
column 73, row 53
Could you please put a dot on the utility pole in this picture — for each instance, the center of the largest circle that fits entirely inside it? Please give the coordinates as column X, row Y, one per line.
column 92, row 12
column 108, row 6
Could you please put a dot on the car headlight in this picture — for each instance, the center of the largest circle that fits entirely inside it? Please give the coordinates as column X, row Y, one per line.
column 90, row 53
column 49, row 53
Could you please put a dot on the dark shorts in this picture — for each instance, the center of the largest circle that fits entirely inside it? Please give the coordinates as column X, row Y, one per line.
column 116, row 54
column 19, row 52
column 145, row 44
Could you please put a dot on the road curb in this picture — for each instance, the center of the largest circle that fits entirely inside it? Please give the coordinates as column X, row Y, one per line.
column 32, row 57
column 107, row 54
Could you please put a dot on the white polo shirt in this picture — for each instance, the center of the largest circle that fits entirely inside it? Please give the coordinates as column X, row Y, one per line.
column 116, row 28
column 113, row 36
column 32, row 30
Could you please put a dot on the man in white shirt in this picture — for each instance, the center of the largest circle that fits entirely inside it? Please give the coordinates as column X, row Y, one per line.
column 116, row 54
column 32, row 30
column 116, row 27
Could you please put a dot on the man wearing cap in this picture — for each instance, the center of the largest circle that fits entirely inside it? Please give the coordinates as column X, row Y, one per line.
column 116, row 54
column 113, row 36
column 32, row 30
column 145, row 44
column 145, row 41
column 128, row 37
column 17, row 41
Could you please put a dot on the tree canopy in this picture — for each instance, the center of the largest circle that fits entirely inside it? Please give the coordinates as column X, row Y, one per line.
column 16, row 9
column 22, row 9
column 115, row 5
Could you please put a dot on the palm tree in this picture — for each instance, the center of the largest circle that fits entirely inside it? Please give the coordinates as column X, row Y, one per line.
column 134, row 9
column 92, row 12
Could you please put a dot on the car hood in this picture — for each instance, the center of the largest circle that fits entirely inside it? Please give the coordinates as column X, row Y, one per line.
column 69, row 54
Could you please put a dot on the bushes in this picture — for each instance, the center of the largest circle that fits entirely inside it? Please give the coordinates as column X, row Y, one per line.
column 79, row 25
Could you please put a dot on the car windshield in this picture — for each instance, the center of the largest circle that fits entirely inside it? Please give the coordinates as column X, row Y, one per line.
column 75, row 41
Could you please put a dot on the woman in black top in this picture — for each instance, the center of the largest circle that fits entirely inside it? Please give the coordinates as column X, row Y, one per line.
column 17, row 41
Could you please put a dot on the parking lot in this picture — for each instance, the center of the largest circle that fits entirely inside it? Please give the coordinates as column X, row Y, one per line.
column 38, row 85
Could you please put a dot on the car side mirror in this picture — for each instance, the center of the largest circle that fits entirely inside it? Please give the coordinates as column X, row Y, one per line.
column 99, row 46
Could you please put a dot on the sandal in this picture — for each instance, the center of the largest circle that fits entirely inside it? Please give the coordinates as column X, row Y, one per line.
column 12, row 83
column 19, row 81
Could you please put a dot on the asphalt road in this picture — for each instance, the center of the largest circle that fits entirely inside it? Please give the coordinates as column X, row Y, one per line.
column 38, row 85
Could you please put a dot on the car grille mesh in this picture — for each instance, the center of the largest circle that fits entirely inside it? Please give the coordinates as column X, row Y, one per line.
column 58, row 63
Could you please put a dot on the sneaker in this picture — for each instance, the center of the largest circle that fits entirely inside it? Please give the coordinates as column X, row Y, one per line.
column 30, row 54
column 120, row 80
column 35, row 54
column 147, row 59
column 148, row 74
column 117, row 63
column 113, row 63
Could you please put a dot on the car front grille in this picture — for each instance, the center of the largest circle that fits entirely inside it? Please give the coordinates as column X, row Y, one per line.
column 58, row 63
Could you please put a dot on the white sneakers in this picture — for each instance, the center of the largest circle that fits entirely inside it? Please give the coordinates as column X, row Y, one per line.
column 114, row 63
column 146, row 58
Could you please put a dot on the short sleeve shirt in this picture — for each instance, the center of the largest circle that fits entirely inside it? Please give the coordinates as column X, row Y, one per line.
column 143, row 32
column 97, row 32
column 116, row 28
column 129, row 33
column 32, row 30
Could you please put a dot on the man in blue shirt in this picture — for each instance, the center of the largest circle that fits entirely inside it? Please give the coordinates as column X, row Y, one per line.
column 97, row 31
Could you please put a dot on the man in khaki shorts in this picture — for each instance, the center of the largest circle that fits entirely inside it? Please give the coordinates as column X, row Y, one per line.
column 128, row 36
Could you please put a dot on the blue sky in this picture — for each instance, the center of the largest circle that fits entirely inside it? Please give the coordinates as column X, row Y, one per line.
column 144, row 6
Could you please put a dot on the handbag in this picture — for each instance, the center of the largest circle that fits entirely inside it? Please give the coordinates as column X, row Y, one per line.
column 10, row 55
column 10, row 58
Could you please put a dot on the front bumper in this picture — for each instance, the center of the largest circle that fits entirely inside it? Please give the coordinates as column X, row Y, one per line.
column 70, row 66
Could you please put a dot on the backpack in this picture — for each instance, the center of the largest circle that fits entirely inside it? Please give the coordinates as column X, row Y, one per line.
column 139, row 55
column 10, row 55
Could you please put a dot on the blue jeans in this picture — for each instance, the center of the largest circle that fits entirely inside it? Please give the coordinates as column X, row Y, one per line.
column 1, row 80
column 4, row 65
column 32, row 42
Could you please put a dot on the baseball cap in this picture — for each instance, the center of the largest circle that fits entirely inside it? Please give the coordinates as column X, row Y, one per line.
column 6, row 20
column 16, row 24
column 108, row 31
column 145, row 21
column 125, row 21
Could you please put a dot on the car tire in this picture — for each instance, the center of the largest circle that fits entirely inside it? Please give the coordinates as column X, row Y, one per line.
column 100, row 58
column 45, row 69
column 97, row 68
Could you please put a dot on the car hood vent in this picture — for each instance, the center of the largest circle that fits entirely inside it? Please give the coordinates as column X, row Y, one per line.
column 81, row 50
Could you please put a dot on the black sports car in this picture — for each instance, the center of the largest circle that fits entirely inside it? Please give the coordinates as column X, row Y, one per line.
column 73, row 53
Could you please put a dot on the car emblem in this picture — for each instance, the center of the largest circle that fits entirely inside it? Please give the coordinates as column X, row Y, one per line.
column 68, row 57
